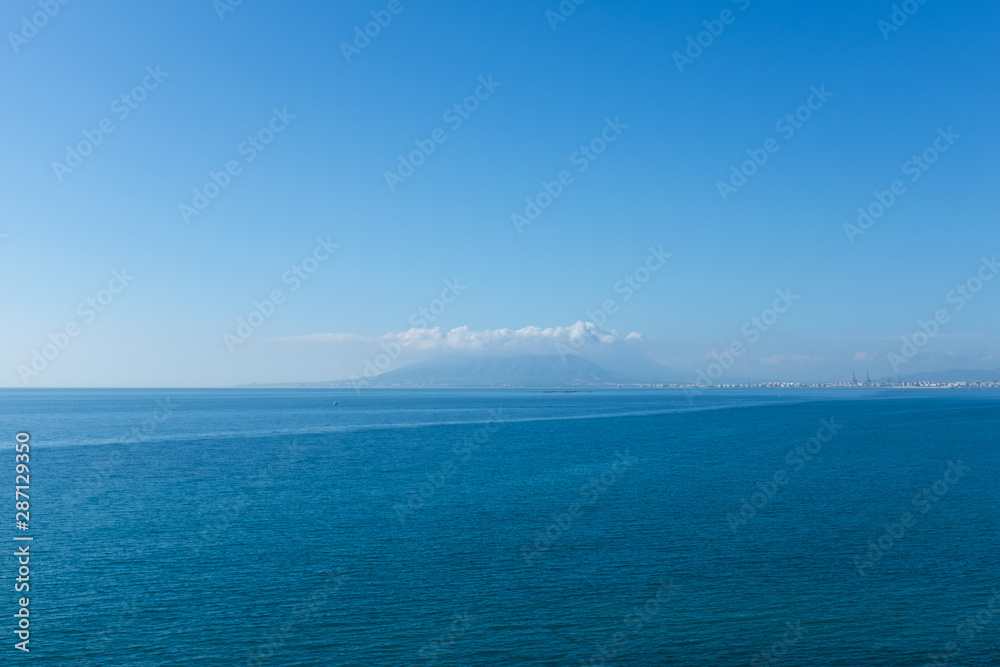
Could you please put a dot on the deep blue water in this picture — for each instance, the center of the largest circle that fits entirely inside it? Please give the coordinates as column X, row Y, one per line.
column 260, row 527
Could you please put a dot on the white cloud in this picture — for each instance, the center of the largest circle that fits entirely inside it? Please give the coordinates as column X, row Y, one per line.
column 464, row 338
column 864, row 356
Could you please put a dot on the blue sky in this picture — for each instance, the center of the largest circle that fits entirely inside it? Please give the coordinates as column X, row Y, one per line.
column 553, row 91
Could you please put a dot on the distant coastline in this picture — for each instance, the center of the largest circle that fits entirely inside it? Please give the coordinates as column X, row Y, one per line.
column 553, row 372
column 334, row 384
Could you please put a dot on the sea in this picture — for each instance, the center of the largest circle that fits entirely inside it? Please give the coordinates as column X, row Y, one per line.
column 501, row 527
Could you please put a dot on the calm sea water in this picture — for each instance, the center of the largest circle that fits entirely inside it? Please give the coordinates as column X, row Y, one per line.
column 261, row 527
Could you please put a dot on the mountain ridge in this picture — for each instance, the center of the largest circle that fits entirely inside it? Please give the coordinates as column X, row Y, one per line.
column 950, row 375
column 528, row 370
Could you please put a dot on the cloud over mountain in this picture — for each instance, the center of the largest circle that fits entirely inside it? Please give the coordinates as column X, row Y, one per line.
column 463, row 338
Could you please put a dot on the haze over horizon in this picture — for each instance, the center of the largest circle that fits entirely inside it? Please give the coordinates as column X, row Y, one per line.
column 528, row 185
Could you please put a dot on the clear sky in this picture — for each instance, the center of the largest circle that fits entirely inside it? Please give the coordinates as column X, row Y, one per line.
column 670, row 117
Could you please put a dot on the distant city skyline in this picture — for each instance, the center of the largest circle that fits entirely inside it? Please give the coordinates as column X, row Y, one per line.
column 223, row 194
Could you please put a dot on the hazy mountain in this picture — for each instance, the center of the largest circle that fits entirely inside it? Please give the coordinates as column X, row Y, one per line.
column 638, row 367
column 520, row 371
column 953, row 375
